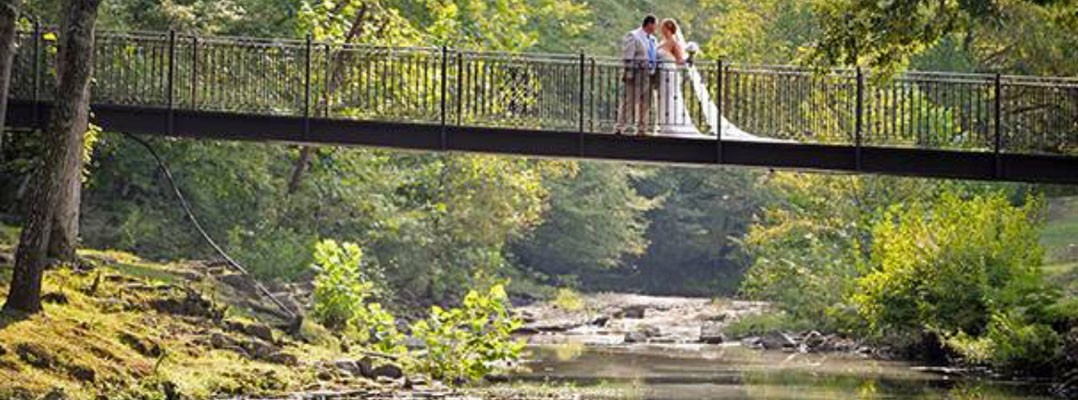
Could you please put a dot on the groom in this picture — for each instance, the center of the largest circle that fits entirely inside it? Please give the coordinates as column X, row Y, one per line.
column 639, row 53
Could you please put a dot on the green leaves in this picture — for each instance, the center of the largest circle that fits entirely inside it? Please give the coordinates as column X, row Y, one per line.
column 466, row 343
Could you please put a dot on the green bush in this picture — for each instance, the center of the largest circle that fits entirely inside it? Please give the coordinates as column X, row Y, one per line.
column 569, row 300
column 341, row 288
column 948, row 265
column 1013, row 345
column 762, row 324
column 466, row 343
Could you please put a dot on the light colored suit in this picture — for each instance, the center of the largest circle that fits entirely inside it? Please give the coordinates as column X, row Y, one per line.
column 640, row 53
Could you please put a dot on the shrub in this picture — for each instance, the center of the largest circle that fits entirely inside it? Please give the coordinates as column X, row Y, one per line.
column 762, row 324
column 568, row 300
column 465, row 343
column 342, row 287
column 948, row 265
column 1011, row 345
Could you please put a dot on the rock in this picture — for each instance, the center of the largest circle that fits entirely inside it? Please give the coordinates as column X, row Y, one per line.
column 83, row 374
column 388, row 371
column 220, row 340
column 282, row 358
column 711, row 333
column 636, row 337
column 601, row 321
column 54, row 298
column 753, row 342
column 192, row 305
column 238, row 281
column 260, row 350
column 55, row 394
column 145, row 347
column 259, row 331
column 635, row 311
column 526, row 331
column 778, row 341
column 35, row 355
column 366, row 367
column 814, row 340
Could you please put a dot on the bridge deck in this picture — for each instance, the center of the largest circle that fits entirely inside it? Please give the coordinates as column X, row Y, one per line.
column 969, row 126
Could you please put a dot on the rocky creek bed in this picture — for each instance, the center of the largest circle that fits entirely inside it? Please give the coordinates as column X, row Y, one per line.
column 613, row 319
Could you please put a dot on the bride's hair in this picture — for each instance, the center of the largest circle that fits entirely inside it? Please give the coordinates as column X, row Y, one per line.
column 669, row 24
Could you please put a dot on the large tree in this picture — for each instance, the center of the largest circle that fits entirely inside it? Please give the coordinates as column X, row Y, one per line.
column 9, row 18
column 63, row 152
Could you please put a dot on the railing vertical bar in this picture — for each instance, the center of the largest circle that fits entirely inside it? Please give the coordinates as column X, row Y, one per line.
column 719, row 95
column 442, row 110
column 326, row 81
column 171, row 82
column 580, row 97
column 307, row 91
column 459, row 97
column 591, row 98
column 194, row 72
column 860, row 118
column 998, row 111
column 36, row 91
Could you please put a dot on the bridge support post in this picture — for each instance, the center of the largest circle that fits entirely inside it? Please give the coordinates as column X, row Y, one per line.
column 997, row 147
column 171, row 123
column 720, row 68
column 860, row 123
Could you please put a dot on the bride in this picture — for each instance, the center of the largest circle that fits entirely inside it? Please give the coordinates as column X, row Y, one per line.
column 673, row 114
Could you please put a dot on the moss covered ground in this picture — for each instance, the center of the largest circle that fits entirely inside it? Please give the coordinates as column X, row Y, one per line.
column 130, row 328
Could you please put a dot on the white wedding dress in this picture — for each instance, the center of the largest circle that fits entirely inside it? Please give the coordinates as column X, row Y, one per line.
column 673, row 114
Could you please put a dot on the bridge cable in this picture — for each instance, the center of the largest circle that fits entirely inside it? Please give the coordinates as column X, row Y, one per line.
column 205, row 236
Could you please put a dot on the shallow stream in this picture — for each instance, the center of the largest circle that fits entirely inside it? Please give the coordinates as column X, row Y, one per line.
column 716, row 372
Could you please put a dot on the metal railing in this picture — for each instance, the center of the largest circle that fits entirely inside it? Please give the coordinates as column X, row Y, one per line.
column 572, row 93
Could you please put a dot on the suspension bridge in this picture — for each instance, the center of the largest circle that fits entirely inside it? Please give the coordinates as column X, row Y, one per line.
column 929, row 124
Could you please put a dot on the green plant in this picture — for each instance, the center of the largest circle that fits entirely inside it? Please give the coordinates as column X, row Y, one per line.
column 340, row 287
column 569, row 300
column 761, row 324
column 466, row 343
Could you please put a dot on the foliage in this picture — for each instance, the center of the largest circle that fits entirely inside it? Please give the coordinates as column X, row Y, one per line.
column 465, row 343
column 948, row 265
column 595, row 220
column 1011, row 344
column 762, row 324
column 341, row 288
column 569, row 300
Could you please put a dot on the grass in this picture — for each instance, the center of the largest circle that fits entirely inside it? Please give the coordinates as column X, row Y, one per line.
column 1060, row 241
column 1060, row 234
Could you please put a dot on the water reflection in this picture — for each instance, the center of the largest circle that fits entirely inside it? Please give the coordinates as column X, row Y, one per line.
column 709, row 372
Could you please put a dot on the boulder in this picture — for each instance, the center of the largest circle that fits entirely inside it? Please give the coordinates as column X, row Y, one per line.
column 814, row 341
column 711, row 333
column 636, row 337
column 259, row 331
column 282, row 358
column 83, row 374
column 635, row 311
column 778, row 341
column 753, row 342
column 388, row 371
column 35, row 355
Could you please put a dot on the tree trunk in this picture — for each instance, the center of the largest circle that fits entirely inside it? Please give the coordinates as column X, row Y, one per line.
column 305, row 152
column 63, row 148
column 9, row 17
column 64, row 239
